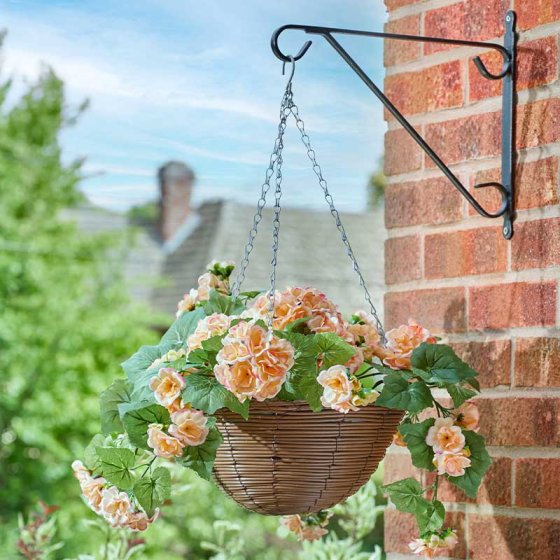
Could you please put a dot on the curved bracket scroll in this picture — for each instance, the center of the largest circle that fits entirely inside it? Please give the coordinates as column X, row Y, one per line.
column 287, row 57
column 489, row 75
column 503, row 206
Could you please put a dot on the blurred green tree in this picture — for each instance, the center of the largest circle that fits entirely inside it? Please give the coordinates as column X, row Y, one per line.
column 376, row 186
column 65, row 319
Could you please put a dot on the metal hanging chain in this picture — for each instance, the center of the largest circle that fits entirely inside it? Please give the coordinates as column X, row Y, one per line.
column 275, row 158
column 334, row 212
column 288, row 107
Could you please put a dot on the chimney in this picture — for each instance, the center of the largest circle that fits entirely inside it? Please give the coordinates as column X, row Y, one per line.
column 175, row 185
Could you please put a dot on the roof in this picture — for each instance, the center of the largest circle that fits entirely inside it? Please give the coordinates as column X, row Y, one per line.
column 311, row 252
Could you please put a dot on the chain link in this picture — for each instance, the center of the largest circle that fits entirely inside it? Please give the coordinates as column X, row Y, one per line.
column 334, row 212
column 274, row 158
column 288, row 107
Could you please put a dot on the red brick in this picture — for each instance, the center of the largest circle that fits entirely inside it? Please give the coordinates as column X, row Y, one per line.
column 536, row 483
column 495, row 488
column 491, row 359
column 401, row 528
column 520, row 421
column 427, row 90
column 461, row 253
column 402, row 153
column 402, row 259
column 536, row 185
column 441, row 310
column 398, row 466
column 397, row 52
column 536, row 12
column 465, row 139
column 537, row 362
column 470, row 20
column 513, row 538
column 536, row 244
column 394, row 4
column 538, row 123
column 432, row 201
column 518, row 304
column 537, row 65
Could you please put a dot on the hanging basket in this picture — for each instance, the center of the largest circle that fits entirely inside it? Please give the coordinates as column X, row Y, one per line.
column 287, row 459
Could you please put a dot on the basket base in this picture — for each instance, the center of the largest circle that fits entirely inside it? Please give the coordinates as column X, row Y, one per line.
column 287, row 459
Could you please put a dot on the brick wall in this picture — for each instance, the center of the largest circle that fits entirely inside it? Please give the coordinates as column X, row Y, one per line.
column 451, row 270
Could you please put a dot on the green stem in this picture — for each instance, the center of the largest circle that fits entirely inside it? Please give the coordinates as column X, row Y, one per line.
column 434, row 497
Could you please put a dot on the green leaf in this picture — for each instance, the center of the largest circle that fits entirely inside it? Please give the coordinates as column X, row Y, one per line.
column 415, row 437
column 400, row 394
column 431, row 519
column 116, row 463
column 110, row 399
column 440, row 364
column 205, row 393
column 251, row 295
column 405, row 374
column 91, row 458
column 138, row 416
column 459, row 393
column 220, row 303
column 180, row 330
column 152, row 491
column 139, row 371
column 201, row 457
column 334, row 349
column 480, row 462
column 407, row 495
column 213, row 345
column 298, row 325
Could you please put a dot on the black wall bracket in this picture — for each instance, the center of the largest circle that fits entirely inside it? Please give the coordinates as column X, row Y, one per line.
column 506, row 74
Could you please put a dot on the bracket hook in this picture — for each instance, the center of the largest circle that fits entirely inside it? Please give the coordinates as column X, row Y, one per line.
column 489, row 75
column 279, row 54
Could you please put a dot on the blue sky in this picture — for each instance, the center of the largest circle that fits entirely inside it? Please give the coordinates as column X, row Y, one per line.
column 197, row 81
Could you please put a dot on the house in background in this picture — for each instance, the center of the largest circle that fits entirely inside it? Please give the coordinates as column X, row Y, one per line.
column 174, row 244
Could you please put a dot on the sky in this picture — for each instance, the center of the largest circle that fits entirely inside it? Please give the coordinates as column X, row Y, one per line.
column 197, row 81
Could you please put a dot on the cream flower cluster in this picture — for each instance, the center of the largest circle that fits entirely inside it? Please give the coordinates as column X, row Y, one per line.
column 433, row 542
column 213, row 325
column 252, row 362
column 188, row 426
column 446, row 438
column 341, row 392
column 116, row 507
column 208, row 281
column 402, row 341
column 303, row 529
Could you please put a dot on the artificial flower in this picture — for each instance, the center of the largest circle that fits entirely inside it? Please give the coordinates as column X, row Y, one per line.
column 188, row 302
column 468, row 416
column 213, row 325
column 337, row 389
column 452, row 464
column 443, row 436
column 164, row 445
column 116, row 506
column 167, row 386
column 189, row 426
column 402, row 341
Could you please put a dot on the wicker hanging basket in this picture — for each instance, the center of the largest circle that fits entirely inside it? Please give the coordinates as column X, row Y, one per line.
column 287, row 459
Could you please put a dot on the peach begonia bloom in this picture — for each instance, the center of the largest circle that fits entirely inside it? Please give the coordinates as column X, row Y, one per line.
column 275, row 360
column 337, row 389
column 239, row 378
column 429, row 545
column 189, row 426
column 167, row 386
column 80, row 471
column 292, row 523
column 355, row 362
column 209, row 281
column 116, row 507
column 313, row 533
column 402, row 341
column 165, row 446
column 139, row 521
column 468, row 416
column 452, row 464
column 213, row 325
column 443, row 436
column 188, row 302
column 398, row 439
column 303, row 532
column 93, row 490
